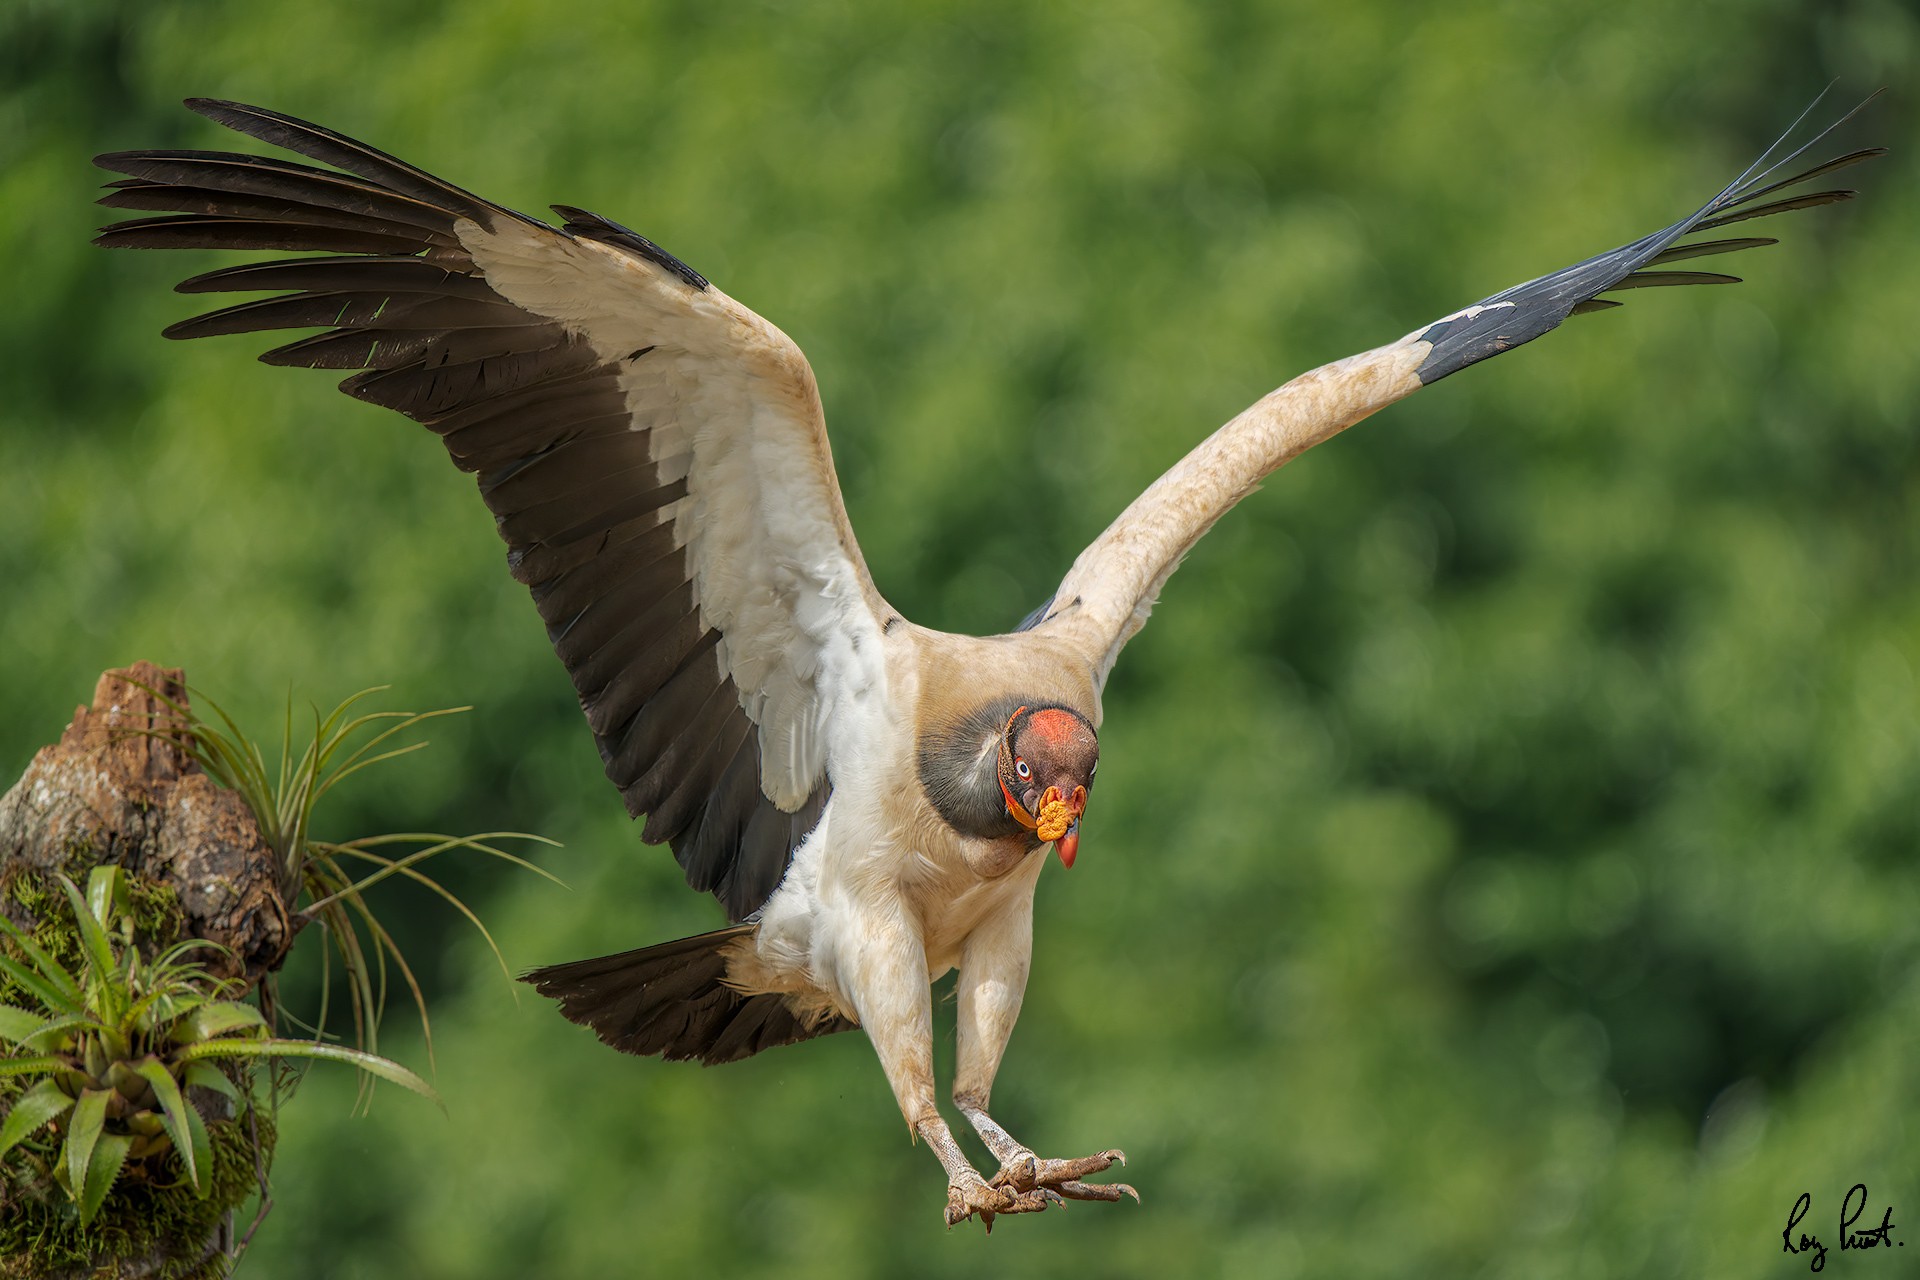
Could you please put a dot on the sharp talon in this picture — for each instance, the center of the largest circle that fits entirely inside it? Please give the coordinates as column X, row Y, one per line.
column 1027, row 1184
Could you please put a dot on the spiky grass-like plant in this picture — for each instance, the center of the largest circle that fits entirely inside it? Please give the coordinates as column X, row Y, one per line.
column 112, row 1053
column 317, row 878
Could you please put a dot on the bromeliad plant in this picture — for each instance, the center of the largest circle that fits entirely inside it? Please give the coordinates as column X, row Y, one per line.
column 318, row 877
column 119, row 1046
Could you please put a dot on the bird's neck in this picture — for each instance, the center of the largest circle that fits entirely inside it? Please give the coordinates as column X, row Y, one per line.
column 958, row 760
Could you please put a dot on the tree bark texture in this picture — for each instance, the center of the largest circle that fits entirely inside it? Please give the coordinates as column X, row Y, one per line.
column 120, row 787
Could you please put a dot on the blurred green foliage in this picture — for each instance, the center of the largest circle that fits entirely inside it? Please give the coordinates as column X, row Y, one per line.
column 1506, row 860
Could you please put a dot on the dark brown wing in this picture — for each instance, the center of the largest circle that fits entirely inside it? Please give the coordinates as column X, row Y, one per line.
column 592, row 383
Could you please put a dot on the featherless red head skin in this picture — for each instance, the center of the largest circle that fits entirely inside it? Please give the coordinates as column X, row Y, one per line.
column 1057, row 728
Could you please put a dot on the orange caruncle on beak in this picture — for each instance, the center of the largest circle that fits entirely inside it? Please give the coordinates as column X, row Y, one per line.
column 1055, row 816
column 1060, row 822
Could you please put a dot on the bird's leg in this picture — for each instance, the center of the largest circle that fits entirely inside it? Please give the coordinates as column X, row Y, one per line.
column 890, row 990
column 993, row 979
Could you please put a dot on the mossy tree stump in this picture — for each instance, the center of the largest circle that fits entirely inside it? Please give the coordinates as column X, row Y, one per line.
column 120, row 787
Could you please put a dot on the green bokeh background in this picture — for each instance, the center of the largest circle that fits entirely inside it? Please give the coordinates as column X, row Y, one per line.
column 1505, row 859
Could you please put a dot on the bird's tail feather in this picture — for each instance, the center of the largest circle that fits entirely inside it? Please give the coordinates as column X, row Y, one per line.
column 672, row 1001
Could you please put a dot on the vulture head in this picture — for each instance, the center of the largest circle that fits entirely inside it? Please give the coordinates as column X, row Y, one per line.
column 1009, row 768
column 1045, row 768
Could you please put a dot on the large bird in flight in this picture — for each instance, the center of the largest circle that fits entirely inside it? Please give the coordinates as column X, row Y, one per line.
column 870, row 800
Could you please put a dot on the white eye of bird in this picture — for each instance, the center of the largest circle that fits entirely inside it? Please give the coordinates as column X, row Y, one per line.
column 1020, row 767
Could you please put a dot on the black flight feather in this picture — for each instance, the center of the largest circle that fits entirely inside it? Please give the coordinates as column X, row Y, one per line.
column 1524, row 312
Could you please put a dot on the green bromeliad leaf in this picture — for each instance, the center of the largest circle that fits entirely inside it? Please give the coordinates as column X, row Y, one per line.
column 55, row 1034
column 217, row 1018
column 60, row 994
column 174, row 1113
column 108, row 1158
column 51, row 976
column 83, row 1131
column 107, row 893
column 385, row 1068
column 207, row 1076
column 31, row 1110
column 19, row 1025
column 110, row 995
column 202, row 1148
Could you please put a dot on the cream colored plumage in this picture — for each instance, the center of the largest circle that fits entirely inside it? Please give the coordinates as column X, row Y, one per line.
column 860, row 793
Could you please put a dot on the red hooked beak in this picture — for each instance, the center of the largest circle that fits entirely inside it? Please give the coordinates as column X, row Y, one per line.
column 1067, row 843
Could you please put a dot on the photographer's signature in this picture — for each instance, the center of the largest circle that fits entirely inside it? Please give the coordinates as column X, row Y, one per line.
column 1796, row 1241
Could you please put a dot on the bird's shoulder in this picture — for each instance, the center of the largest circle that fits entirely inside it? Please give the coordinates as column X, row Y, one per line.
column 950, row 677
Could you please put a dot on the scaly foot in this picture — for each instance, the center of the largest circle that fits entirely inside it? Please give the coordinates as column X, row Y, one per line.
column 1026, row 1172
column 969, row 1195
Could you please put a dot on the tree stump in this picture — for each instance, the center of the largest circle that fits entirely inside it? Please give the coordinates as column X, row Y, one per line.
column 120, row 787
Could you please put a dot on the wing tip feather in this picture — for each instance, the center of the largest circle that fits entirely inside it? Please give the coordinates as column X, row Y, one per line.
column 1520, row 314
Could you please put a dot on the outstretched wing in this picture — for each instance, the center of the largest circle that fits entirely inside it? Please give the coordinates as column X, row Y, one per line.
column 653, row 452
column 1111, row 588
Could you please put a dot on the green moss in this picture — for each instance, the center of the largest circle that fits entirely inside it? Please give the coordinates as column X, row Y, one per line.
column 155, row 1213
column 35, row 900
column 159, row 920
